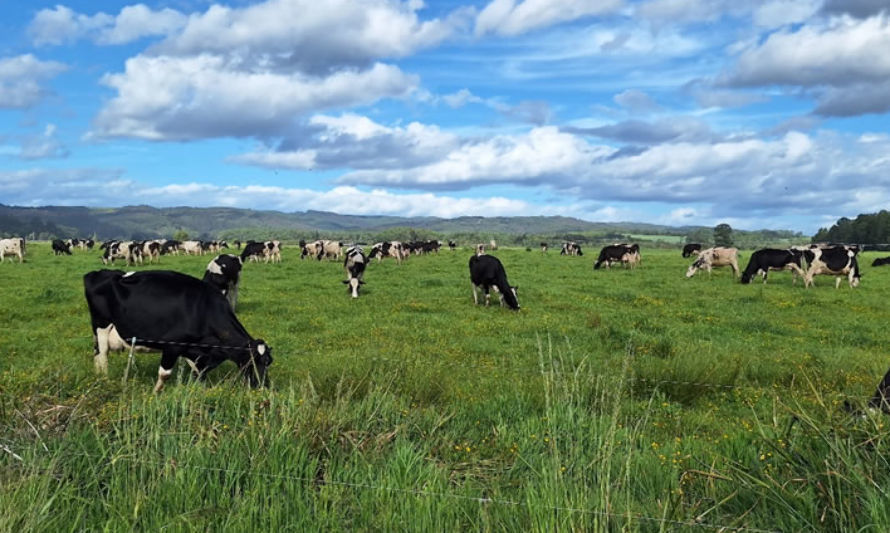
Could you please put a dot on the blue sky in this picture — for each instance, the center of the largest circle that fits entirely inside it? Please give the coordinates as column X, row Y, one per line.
column 762, row 114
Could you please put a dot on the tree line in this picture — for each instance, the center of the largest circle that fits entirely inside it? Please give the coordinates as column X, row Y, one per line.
column 873, row 228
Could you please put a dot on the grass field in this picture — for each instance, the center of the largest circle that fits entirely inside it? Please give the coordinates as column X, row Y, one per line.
column 614, row 400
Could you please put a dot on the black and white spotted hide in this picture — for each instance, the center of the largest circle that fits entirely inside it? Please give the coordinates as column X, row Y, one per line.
column 224, row 273
column 354, row 264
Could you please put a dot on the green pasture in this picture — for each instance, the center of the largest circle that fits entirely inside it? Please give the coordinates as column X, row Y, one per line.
column 614, row 400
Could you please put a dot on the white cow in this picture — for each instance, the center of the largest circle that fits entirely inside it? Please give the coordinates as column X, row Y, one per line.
column 14, row 246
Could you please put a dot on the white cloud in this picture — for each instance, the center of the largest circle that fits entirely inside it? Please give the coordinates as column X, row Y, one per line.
column 43, row 146
column 21, row 79
column 313, row 36
column 507, row 17
column 169, row 98
column 62, row 25
column 776, row 13
column 353, row 141
column 636, row 101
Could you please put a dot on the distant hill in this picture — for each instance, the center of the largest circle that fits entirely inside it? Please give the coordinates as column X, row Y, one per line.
column 145, row 222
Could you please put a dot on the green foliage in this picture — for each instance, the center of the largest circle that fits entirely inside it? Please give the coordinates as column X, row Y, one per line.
column 181, row 235
column 614, row 400
column 723, row 235
column 865, row 229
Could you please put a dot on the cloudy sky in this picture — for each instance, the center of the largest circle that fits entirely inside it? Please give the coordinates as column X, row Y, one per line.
column 762, row 114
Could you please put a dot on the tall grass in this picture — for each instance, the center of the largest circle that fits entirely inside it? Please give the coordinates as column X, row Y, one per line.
column 613, row 400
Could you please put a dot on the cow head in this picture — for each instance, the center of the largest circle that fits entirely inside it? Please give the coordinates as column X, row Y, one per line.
column 693, row 268
column 260, row 359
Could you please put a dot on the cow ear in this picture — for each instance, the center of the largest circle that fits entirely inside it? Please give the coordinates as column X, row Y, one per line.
column 345, row 281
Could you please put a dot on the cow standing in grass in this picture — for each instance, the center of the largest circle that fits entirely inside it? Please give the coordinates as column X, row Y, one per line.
column 766, row 259
column 14, row 246
column 839, row 261
column 354, row 264
column 487, row 272
column 715, row 257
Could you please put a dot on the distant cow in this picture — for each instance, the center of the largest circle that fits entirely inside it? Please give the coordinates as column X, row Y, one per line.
column 152, row 250
column 837, row 261
column 175, row 314
column 312, row 249
column 268, row 251
column 273, row 251
column 387, row 249
column 14, row 246
column 881, row 261
column 571, row 248
column 715, row 257
column 354, row 264
column 492, row 244
column 452, row 245
column 487, row 272
column 224, row 273
column 627, row 254
column 766, row 259
column 691, row 248
column 543, row 247
column 331, row 249
column 129, row 251
column 61, row 247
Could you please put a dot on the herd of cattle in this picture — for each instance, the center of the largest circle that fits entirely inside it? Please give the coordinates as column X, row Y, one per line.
column 180, row 315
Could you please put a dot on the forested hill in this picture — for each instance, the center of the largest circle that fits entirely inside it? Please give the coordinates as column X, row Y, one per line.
column 146, row 222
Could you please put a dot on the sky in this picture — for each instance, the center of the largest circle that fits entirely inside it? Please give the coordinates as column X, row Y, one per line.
column 759, row 114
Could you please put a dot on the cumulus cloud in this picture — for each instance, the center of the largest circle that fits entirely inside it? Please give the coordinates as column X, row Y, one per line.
column 21, row 79
column 507, row 17
column 352, row 141
column 313, row 36
column 62, row 25
column 685, row 11
column 172, row 98
column 843, row 62
column 81, row 186
column 776, row 13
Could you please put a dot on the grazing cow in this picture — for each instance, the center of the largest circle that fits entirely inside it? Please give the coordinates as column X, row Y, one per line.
column 224, row 273
column 571, row 248
column 192, row 247
column 691, row 248
column 61, row 247
column 273, row 251
column 73, row 242
column 314, row 249
column 14, row 246
column 543, row 247
column 392, row 249
column 253, row 251
column 89, row 243
column 130, row 251
column 766, row 259
column 715, row 257
column 174, row 313
column 354, row 264
column 487, row 272
column 170, row 246
column 881, row 261
column 492, row 245
column 618, row 253
column 331, row 249
column 152, row 250
column 836, row 261
column 452, row 245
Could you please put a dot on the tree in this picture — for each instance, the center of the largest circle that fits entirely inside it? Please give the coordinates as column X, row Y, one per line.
column 181, row 235
column 723, row 235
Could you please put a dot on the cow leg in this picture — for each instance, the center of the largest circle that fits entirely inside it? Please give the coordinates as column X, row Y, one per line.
column 475, row 294
column 100, row 357
column 837, row 282
column 165, row 370
column 881, row 398
column 487, row 296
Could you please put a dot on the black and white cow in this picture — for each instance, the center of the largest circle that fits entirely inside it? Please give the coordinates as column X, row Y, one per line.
column 224, row 273
column 129, row 251
column 354, row 264
column 766, row 259
column 253, row 251
column 14, row 246
column 487, row 272
column 387, row 249
column 691, row 248
column 175, row 314
column 452, row 245
column 719, row 256
column 627, row 254
column 837, row 261
column 543, row 247
column 571, row 248
column 273, row 251
column 61, row 247
column 881, row 261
